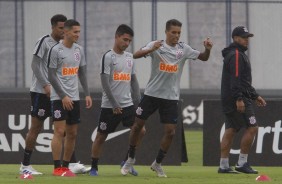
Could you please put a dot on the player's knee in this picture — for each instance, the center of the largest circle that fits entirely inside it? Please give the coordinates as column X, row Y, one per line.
column 143, row 131
column 100, row 138
column 60, row 132
column 170, row 133
column 253, row 130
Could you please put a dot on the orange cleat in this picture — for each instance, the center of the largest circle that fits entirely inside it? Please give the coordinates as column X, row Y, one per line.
column 63, row 171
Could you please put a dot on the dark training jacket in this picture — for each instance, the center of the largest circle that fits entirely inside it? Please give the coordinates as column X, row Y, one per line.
column 236, row 82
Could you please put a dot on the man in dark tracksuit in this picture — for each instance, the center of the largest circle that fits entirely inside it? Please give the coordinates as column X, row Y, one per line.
column 237, row 95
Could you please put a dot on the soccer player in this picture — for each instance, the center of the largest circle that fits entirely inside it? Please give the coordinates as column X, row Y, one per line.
column 237, row 95
column 40, row 89
column 162, row 90
column 66, row 63
column 120, row 92
column 40, row 95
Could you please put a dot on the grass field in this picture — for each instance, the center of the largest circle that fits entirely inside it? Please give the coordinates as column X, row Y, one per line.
column 189, row 173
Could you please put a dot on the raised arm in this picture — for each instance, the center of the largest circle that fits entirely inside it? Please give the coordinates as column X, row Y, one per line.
column 147, row 50
column 204, row 56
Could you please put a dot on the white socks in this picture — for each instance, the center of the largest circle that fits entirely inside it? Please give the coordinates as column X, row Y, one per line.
column 224, row 163
column 242, row 159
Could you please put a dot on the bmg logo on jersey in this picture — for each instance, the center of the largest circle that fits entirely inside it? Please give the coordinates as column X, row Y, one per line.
column 168, row 68
column 120, row 76
column 68, row 71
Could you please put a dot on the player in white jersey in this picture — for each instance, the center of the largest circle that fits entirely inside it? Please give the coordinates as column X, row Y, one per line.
column 120, row 93
column 40, row 89
column 163, row 88
column 66, row 63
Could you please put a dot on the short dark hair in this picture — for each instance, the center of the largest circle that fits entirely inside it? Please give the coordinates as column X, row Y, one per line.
column 124, row 29
column 58, row 18
column 71, row 22
column 172, row 22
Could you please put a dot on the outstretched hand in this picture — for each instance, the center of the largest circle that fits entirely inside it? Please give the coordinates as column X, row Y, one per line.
column 208, row 43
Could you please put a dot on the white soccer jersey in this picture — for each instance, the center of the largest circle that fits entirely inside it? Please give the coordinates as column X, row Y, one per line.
column 166, row 69
column 120, row 68
column 41, row 50
column 67, row 62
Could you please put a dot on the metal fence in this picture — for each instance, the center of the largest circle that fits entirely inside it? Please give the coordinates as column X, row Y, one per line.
column 24, row 21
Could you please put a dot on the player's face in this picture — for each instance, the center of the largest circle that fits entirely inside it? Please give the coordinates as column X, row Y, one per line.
column 173, row 35
column 123, row 41
column 58, row 30
column 244, row 41
column 72, row 34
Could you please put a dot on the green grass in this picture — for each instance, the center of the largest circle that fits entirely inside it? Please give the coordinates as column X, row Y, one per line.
column 189, row 173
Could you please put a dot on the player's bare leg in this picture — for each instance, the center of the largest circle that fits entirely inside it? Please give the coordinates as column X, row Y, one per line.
column 36, row 127
column 69, row 144
column 57, row 141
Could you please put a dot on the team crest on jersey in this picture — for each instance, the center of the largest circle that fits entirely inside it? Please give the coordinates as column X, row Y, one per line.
column 179, row 53
column 129, row 62
column 139, row 111
column 103, row 126
column 77, row 56
column 41, row 112
column 252, row 120
column 57, row 114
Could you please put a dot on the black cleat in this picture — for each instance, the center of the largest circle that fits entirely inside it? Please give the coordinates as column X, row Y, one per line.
column 227, row 171
column 246, row 168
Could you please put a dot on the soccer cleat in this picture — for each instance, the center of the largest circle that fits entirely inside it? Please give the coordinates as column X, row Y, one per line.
column 63, row 171
column 78, row 168
column 127, row 166
column 158, row 169
column 246, row 168
column 226, row 171
column 131, row 170
column 28, row 170
column 93, row 172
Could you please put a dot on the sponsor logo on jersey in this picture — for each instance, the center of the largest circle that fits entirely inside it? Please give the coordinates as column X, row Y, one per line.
column 120, row 76
column 168, row 68
column 68, row 71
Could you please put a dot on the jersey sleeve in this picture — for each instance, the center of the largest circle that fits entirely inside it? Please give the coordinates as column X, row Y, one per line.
column 83, row 60
column 133, row 67
column 190, row 53
column 53, row 58
column 41, row 47
column 106, row 62
column 148, row 46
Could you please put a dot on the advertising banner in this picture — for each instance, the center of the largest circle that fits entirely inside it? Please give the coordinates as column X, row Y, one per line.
column 15, row 121
column 267, row 146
